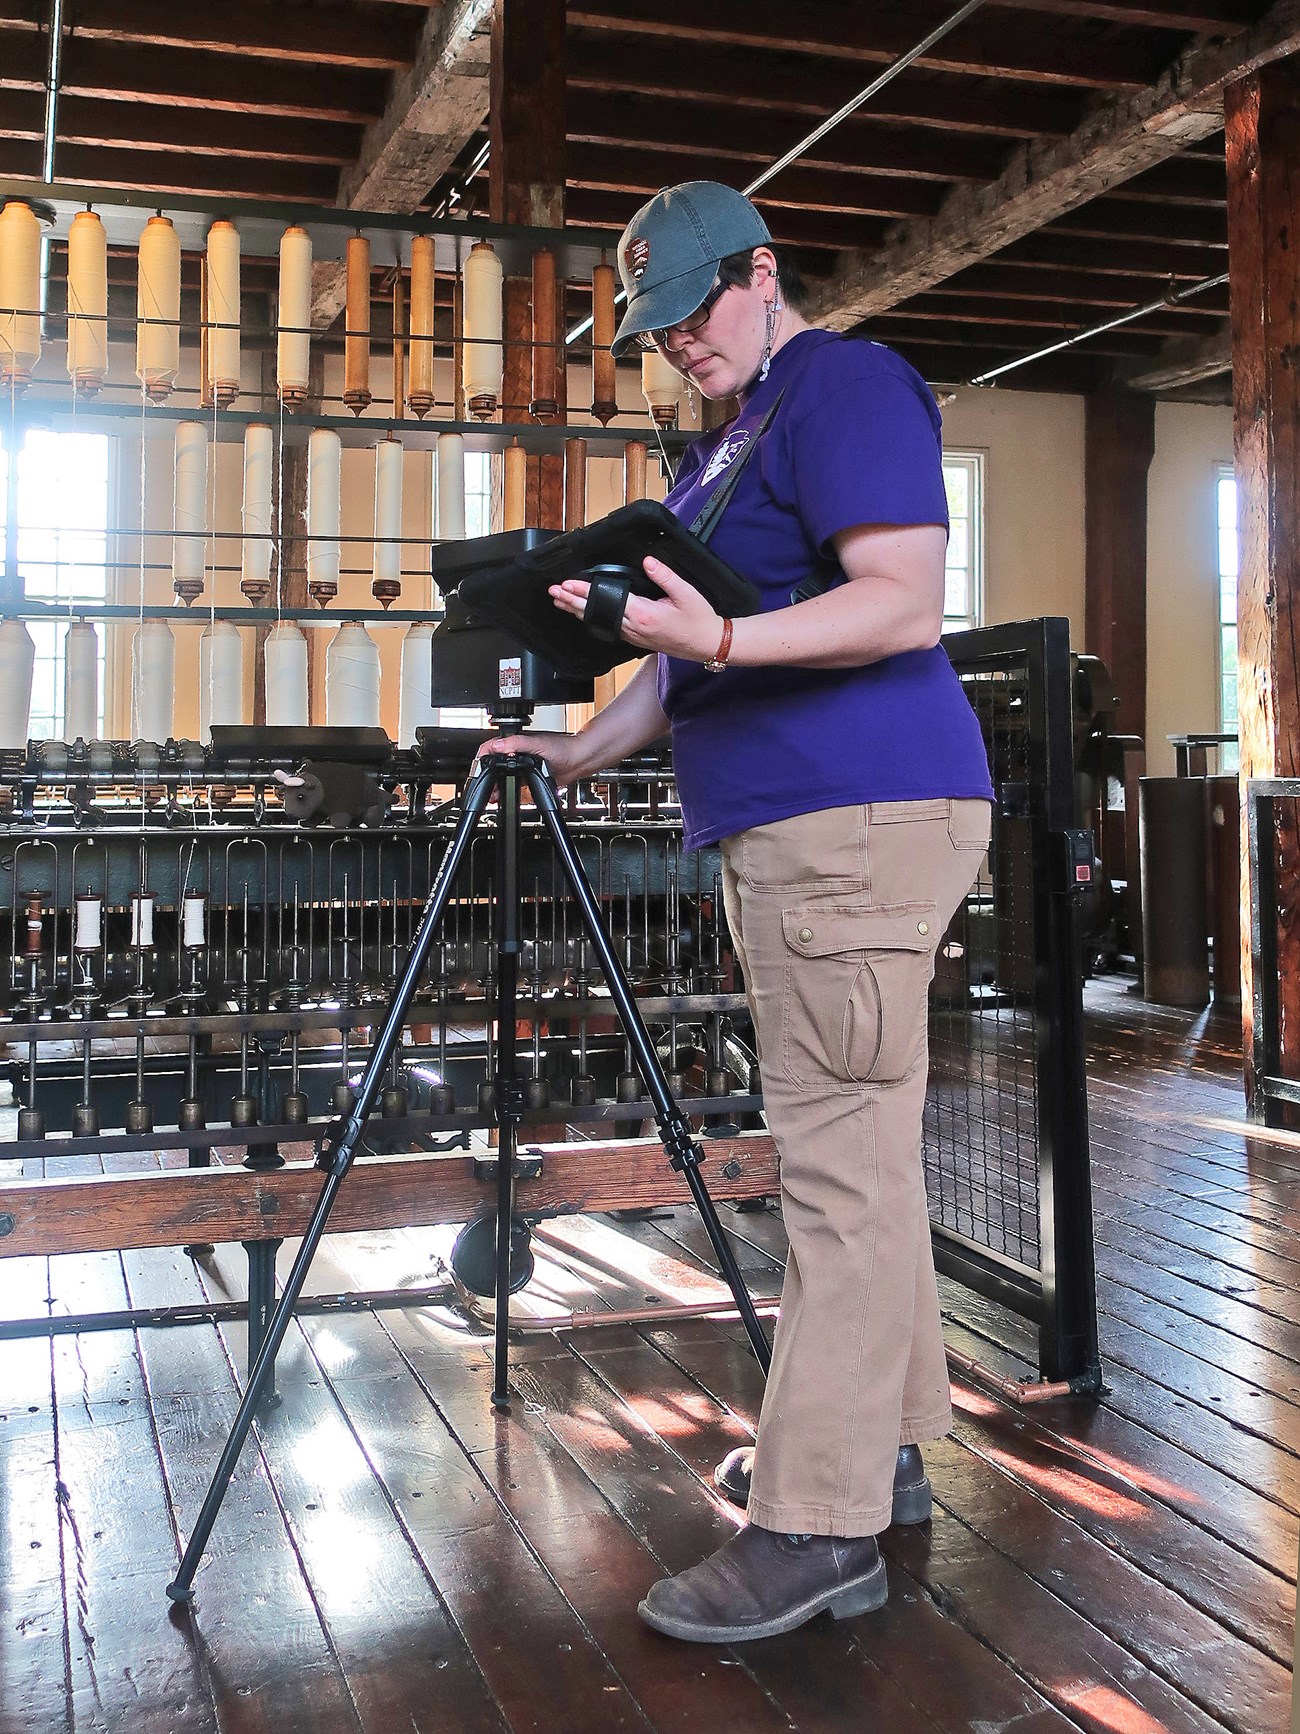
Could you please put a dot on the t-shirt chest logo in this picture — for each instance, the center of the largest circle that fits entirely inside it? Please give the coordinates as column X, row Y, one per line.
column 725, row 456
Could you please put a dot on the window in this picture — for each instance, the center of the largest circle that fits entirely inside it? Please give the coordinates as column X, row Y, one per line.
column 478, row 493
column 1226, row 501
column 963, row 596
column 62, row 549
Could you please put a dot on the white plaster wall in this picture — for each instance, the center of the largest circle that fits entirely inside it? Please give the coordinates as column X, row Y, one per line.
column 1192, row 440
column 1033, row 502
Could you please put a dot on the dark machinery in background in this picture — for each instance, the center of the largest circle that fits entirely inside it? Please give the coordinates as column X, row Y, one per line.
column 200, row 939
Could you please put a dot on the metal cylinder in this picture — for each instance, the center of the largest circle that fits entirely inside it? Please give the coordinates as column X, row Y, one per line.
column 191, row 1117
column 294, row 1107
column 1225, row 883
column 85, row 1120
column 31, row 1123
column 442, row 1099
column 393, row 1103
column 1175, row 926
column 243, row 1110
column 582, row 1091
column 139, row 1117
column 537, row 1093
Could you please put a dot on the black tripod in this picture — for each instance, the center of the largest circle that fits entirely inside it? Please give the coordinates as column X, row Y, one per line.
column 506, row 775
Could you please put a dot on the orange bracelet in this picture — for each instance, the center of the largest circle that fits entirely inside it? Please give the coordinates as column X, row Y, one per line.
column 718, row 661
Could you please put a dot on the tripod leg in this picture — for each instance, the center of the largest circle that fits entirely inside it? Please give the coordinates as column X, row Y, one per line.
column 336, row 1158
column 674, row 1128
column 508, row 1085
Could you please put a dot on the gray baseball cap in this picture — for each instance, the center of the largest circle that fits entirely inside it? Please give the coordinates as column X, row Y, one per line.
column 668, row 255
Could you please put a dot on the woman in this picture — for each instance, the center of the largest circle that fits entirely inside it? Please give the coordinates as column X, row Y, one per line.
column 826, row 745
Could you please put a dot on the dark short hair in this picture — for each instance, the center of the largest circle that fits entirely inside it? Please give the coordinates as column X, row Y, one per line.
column 738, row 269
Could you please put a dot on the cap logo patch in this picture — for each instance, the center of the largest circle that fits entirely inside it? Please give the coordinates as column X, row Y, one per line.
column 637, row 255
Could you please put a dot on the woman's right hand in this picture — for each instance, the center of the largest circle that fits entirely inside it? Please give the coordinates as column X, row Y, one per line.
column 560, row 751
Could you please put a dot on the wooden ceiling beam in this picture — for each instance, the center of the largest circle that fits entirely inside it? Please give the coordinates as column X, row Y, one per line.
column 1184, row 361
column 117, row 72
column 1060, row 317
column 608, row 168
column 1031, row 53
column 688, row 128
column 180, row 172
column 145, row 126
column 1053, row 248
column 896, row 329
column 1071, row 371
column 1207, row 18
column 434, row 107
column 1120, row 219
column 1010, row 282
column 720, row 79
column 314, row 36
column 603, row 210
column 1118, row 140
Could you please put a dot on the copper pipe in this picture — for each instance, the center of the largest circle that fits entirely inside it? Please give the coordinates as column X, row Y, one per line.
column 1018, row 1391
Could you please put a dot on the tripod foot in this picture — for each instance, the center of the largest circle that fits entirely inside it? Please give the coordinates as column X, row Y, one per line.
column 501, row 1404
column 180, row 1593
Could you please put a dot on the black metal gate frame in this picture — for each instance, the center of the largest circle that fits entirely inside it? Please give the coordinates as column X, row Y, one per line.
column 1270, row 1091
column 1060, row 1298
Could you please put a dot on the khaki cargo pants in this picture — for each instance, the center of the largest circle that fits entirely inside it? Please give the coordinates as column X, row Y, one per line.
column 836, row 917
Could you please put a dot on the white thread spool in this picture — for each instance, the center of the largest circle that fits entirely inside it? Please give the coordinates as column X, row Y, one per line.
column 419, row 390
column 482, row 363
column 17, row 659
column 255, row 554
column 194, row 920
column 285, row 658
column 352, row 679
column 87, row 303
column 388, row 512
column 189, row 519
column 158, row 309
column 142, row 906
column 661, row 386
column 293, row 349
column 81, row 682
column 415, row 706
column 451, row 487
column 88, row 933
column 153, row 681
column 324, row 505
column 20, row 294
column 223, row 311
column 221, row 677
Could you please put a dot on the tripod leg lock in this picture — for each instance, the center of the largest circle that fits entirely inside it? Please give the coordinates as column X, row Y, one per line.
column 683, row 1151
column 511, row 1097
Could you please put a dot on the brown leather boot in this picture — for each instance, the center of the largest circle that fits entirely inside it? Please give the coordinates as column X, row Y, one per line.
column 760, row 1583
column 912, row 1501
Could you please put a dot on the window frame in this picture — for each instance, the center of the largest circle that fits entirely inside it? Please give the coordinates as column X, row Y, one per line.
column 972, row 459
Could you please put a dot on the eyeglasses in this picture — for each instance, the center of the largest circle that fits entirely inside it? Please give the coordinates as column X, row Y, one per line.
column 657, row 336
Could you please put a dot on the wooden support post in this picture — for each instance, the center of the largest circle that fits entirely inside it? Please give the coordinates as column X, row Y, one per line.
column 1262, row 119
column 526, row 185
column 1119, row 439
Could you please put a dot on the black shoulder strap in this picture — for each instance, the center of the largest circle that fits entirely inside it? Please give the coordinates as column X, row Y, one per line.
column 707, row 522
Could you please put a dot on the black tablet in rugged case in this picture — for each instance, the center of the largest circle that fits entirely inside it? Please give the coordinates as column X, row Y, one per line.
column 506, row 579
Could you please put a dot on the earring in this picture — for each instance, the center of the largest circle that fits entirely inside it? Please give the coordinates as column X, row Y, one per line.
column 773, row 308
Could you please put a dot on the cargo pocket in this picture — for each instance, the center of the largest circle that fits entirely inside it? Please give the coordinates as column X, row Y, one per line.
column 969, row 824
column 856, row 987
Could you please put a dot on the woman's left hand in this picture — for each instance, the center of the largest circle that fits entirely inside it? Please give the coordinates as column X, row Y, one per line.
column 680, row 623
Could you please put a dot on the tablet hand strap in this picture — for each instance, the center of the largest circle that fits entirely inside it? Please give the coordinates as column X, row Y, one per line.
column 606, row 600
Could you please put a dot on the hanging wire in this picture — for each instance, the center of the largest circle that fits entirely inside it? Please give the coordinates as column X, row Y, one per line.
column 1172, row 300
column 854, row 103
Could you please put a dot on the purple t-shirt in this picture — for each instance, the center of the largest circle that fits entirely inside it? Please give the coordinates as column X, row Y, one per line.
column 855, row 441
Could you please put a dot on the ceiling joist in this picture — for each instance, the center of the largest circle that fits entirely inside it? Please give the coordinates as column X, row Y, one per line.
column 435, row 107
column 1120, row 138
